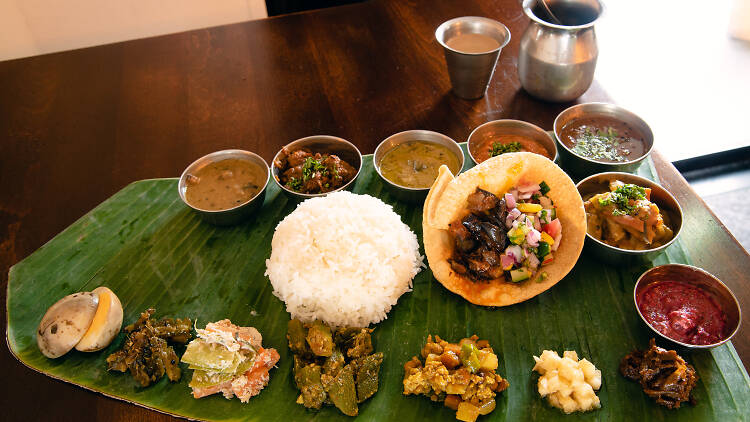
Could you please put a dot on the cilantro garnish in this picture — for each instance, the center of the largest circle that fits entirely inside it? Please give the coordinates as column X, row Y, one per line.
column 499, row 148
column 599, row 144
column 312, row 166
column 544, row 187
column 621, row 198
column 295, row 184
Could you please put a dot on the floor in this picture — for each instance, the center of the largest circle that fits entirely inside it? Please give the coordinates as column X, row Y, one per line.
column 727, row 195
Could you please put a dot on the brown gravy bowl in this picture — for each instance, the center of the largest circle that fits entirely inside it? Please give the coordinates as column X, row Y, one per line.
column 580, row 166
column 628, row 142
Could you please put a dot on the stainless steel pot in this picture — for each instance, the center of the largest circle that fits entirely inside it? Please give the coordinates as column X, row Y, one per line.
column 557, row 62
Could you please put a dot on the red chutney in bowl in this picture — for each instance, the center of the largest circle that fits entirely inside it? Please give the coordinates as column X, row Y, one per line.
column 683, row 312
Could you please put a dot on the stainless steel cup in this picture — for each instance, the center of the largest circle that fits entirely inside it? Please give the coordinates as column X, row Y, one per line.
column 470, row 73
column 557, row 62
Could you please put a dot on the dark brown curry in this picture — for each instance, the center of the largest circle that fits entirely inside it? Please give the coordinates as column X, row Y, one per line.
column 306, row 172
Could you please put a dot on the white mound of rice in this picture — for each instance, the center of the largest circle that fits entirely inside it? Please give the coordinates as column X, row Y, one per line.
column 343, row 258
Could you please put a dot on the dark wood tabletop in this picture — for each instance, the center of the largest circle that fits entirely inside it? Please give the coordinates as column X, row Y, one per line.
column 77, row 126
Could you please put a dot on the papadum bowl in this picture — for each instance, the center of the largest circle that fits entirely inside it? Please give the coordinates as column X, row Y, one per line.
column 447, row 202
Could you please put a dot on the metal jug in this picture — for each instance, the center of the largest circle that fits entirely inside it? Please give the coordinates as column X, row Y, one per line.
column 557, row 62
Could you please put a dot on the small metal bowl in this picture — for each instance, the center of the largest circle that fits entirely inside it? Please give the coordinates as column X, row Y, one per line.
column 323, row 144
column 701, row 279
column 668, row 205
column 582, row 166
column 510, row 127
column 232, row 215
column 406, row 193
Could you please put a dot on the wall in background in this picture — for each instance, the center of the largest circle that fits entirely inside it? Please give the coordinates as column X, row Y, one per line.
column 32, row 27
column 282, row 7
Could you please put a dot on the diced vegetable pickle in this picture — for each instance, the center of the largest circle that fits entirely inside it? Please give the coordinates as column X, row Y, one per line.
column 467, row 384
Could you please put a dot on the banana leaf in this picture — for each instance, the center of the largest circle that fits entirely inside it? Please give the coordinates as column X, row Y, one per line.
column 153, row 251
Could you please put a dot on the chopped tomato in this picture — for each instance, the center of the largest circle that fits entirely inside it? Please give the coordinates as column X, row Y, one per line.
column 553, row 228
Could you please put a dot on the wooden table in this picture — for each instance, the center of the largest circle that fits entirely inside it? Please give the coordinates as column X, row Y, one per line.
column 75, row 127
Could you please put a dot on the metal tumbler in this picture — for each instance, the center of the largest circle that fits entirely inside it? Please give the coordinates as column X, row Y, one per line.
column 470, row 73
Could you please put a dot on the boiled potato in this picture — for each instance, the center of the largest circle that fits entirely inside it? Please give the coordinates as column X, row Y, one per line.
column 568, row 383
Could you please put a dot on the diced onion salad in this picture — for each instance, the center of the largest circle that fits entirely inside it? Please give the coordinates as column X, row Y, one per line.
column 534, row 231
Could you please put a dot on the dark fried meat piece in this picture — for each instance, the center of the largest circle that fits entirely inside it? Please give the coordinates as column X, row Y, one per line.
column 663, row 375
column 296, row 158
column 481, row 201
column 462, row 237
column 480, row 237
column 484, row 264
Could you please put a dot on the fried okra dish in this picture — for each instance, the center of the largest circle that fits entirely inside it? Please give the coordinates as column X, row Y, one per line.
column 333, row 366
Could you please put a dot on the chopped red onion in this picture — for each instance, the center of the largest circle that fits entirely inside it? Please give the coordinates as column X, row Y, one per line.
column 512, row 215
column 533, row 261
column 516, row 252
column 533, row 237
column 510, row 201
column 507, row 260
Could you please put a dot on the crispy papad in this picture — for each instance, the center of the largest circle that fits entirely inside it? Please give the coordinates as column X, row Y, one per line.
column 447, row 201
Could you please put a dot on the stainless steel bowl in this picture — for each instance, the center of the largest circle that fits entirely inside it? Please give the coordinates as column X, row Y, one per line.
column 406, row 193
column 323, row 144
column 232, row 215
column 509, row 127
column 599, row 183
column 582, row 166
column 700, row 279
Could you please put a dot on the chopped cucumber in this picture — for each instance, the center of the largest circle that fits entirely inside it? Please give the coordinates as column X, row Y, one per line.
column 520, row 274
column 543, row 249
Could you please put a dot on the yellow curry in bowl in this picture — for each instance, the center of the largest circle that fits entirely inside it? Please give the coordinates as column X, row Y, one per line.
column 415, row 164
column 626, row 218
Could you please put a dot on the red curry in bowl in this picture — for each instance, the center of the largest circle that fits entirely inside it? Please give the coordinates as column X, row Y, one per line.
column 683, row 312
column 687, row 305
column 500, row 144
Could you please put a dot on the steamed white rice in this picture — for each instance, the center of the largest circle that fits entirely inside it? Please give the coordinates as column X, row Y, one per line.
column 343, row 258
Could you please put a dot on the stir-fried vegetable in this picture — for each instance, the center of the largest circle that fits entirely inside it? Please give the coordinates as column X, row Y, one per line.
column 334, row 367
column 461, row 375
